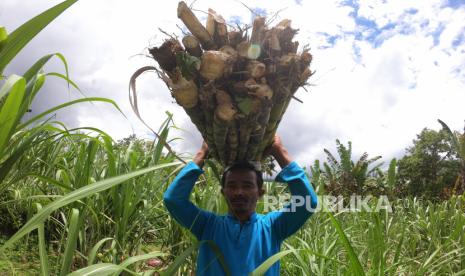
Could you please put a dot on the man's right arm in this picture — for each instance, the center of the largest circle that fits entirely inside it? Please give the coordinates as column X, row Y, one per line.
column 176, row 198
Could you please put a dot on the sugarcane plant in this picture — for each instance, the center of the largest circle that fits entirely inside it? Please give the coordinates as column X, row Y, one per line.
column 234, row 87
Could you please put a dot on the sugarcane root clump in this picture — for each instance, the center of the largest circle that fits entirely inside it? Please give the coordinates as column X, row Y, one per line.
column 235, row 87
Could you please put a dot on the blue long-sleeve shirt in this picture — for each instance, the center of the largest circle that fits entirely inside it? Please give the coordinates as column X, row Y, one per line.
column 246, row 246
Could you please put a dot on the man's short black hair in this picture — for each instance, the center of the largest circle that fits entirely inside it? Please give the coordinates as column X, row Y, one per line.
column 243, row 165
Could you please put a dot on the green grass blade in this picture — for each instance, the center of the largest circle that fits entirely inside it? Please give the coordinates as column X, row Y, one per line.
column 35, row 69
column 399, row 246
column 214, row 168
column 391, row 177
column 131, row 260
column 149, row 272
column 71, row 242
column 102, row 269
column 174, row 266
column 28, row 198
column 65, row 78
column 6, row 87
column 445, row 259
column 263, row 268
column 9, row 110
column 26, row 32
column 425, row 265
column 3, row 37
column 377, row 240
column 95, row 249
column 44, row 264
column 32, row 88
column 164, row 130
column 460, row 273
column 355, row 264
column 92, row 99
column 111, row 162
column 77, row 195
column 50, row 181
column 219, row 255
column 26, row 143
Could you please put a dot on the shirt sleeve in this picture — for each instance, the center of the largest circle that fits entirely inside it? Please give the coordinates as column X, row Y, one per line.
column 302, row 205
column 176, row 199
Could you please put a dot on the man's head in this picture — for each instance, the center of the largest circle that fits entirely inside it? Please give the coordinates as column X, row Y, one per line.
column 242, row 186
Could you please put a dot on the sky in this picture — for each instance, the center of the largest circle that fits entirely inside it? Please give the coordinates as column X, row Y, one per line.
column 384, row 70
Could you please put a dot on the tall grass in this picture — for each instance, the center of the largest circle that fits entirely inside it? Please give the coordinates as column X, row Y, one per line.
column 418, row 238
column 40, row 154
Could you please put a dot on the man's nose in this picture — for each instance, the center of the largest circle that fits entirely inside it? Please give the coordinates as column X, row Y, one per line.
column 238, row 191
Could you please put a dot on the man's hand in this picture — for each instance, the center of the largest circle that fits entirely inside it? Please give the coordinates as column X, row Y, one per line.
column 200, row 156
column 279, row 152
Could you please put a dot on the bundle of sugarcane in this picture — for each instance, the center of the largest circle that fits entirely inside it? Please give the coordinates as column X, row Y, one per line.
column 234, row 87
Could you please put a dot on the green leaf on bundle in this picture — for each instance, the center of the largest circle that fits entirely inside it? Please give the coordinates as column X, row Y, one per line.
column 244, row 104
column 187, row 64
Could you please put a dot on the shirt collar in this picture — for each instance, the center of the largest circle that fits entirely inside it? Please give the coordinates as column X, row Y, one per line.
column 253, row 218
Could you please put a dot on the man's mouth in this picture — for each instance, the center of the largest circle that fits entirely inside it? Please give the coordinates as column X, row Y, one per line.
column 238, row 201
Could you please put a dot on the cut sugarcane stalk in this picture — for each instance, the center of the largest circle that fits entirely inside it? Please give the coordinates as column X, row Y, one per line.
column 192, row 45
column 235, row 87
column 258, row 31
column 216, row 27
column 194, row 25
column 215, row 64
column 256, row 69
column 224, row 117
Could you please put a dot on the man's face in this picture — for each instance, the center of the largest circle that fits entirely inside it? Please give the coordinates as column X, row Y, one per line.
column 241, row 191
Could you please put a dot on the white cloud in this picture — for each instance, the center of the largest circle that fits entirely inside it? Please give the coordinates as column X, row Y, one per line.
column 377, row 97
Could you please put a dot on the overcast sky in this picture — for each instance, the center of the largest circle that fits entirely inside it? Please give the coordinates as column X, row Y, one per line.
column 384, row 69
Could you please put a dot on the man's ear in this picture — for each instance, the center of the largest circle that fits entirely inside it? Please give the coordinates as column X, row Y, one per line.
column 261, row 192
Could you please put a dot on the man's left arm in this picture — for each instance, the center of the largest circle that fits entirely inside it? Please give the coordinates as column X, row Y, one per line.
column 303, row 198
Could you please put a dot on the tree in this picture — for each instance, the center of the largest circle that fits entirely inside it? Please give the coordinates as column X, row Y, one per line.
column 385, row 182
column 458, row 146
column 429, row 165
column 344, row 176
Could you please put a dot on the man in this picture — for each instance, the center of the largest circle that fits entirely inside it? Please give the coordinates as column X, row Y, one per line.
column 246, row 239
